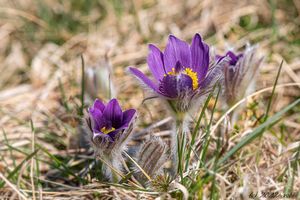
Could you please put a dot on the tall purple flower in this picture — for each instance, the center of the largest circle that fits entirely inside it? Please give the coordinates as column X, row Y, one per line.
column 240, row 73
column 109, row 130
column 180, row 72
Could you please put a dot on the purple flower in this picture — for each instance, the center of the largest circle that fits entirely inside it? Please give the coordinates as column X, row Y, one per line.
column 108, row 125
column 109, row 129
column 180, row 72
column 240, row 73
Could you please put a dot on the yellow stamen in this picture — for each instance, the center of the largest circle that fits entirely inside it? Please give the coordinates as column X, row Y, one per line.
column 107, row 131
column 172, row 72
column 190, row 73
column 193, row 76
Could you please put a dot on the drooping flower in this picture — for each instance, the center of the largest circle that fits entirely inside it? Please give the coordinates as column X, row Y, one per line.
column 181, row 73
column 240, row 73
column 109, row 130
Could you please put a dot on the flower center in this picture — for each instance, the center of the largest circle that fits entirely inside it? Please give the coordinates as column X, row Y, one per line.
column 190, row 73
column 107, row 131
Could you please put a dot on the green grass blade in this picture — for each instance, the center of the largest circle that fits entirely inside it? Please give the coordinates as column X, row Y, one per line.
column 214, row 193
column 258, row 131
column 207, row 135
column 273, row 92
column 290, row 183
column 18, row 167
column 10, row 149
column 59, row 164
column 196, row 129
column 63, row 96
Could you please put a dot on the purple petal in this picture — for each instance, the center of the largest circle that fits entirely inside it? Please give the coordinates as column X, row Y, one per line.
column 233, row 58
column 99, row 124
column 155, row 62
column 127, row 118
column 176, row 50
column 128, row 115
column 99, row 105
column 178, row 67
column 143, row 78
column 115, row 132
column 199, row 57
column 113, row 113
column 95, row 113
column 96, row 118
column 218, row 58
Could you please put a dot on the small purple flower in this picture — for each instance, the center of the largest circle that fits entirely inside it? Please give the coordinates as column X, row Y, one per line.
column 240, row 73
column 180, row 72
column 109, row 130
column 110, row 127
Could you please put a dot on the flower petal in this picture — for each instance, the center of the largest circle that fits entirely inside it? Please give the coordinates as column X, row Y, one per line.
column 176, row 50
column 143, row 78
column 113, row 113
column 98, row 124
column 215, row 75
column 199, row 57
column 99, row 105
column 218, row 58
column 233, row 58
column 128, row 115
column 96, row 118
column 155, row 62
column 115, row 132
column 178, row 67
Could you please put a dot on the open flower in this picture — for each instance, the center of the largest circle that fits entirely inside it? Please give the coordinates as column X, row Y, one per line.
column 109, row 130
column 240, row 73
column 180, row 72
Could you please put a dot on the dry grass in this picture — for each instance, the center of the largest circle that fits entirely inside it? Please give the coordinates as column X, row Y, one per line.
column 40, row 47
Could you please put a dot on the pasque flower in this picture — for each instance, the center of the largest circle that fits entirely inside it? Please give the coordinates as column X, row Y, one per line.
column 109, row 129
column 183, row 76
column 240, row 73
column 181, row 72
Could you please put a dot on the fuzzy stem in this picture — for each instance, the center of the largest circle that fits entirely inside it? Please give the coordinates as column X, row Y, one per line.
column 178, row 141
column 174, row 151
column 181, row 140
column 111, row 169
